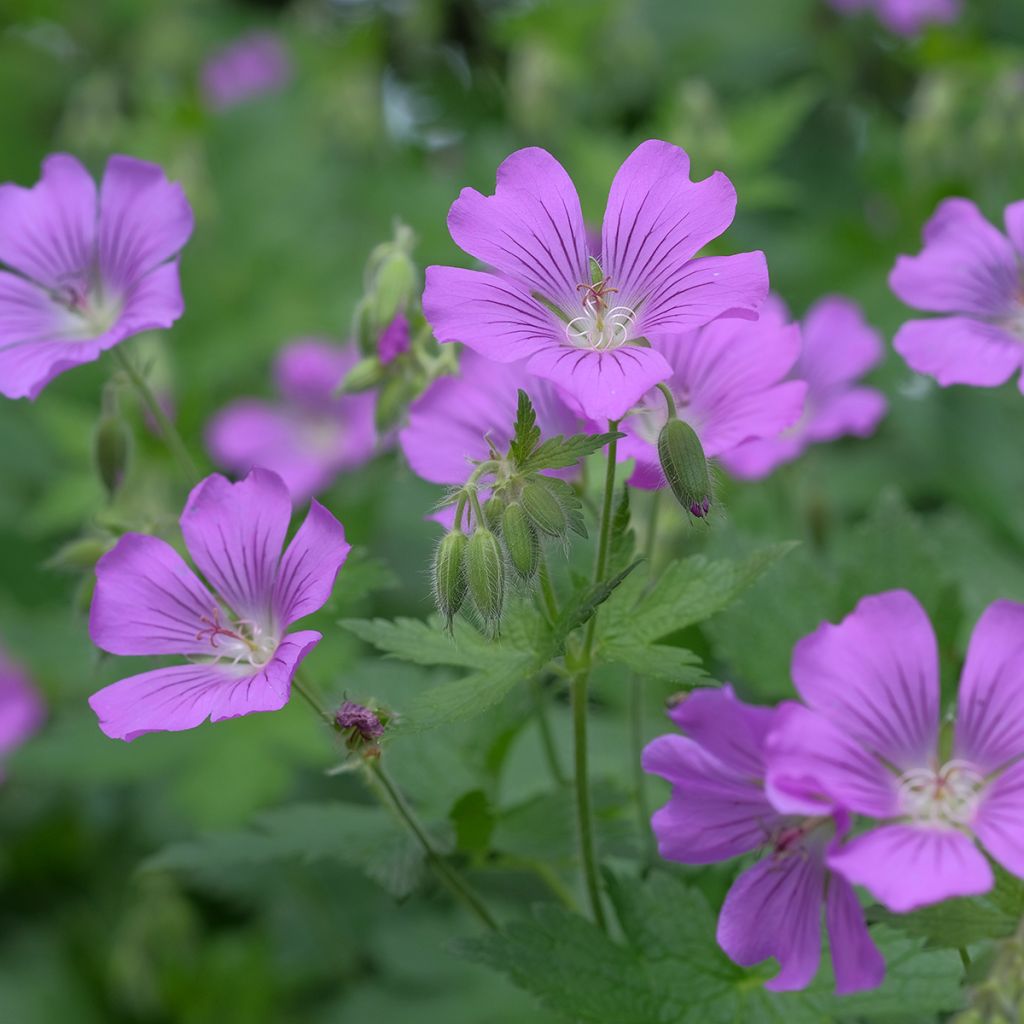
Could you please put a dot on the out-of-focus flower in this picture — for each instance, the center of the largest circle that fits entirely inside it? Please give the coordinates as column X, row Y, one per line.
column 21, row 708
column 589, row 325
column 904, row 17
column 253, row 65
column 308, row 437
column 719, row 810
column 234, row 631
column 839, row 347
column 81, row 271
column 868, row 743
column 729, row 383
column 968, row 269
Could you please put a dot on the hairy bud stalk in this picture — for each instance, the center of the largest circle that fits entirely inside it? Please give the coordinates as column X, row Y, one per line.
column 485, row 575
column 450, row 576
column 685, row 467
column 521, row 541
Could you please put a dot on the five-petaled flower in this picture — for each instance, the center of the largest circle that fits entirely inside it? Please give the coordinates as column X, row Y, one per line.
column 234, row 632
column 589, row 325
column 251, row 66
column 80, row 272
column 971, row 271
column 21, row 707
column 719, row 810
column 869, row 743
column 904, row 17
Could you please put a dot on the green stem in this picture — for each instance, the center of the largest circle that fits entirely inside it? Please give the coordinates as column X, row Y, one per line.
column 547, row 737
column 578, row 693
column 670, row 401
column 965, row 958
column 167, row 429
column 547, row 590
column 652, row 528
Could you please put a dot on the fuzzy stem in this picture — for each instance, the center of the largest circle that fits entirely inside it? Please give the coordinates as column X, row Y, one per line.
column 546, row 589
column 669, row 400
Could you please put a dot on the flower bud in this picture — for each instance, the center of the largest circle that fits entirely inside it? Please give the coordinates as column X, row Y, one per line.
column 685, row 466
column 366, row 374
column 521, row 541
column 392, row 398
column 362, row 727
column 79, row 555
column 492, row 510
column 544, row 509
column 449, row 575
column 112, row 447
column 394, row 282
column 485, row 574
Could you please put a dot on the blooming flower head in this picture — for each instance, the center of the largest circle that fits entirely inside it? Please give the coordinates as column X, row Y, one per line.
column 839, row 347
column 81, row 271
column 21, row 707
column 234, row 628
column 587, row 324
column 728, row 382
column 719, row 810
column 972, row 272
column 869, row 742
column 904, row 17
column 309, row 436
column 253, row 65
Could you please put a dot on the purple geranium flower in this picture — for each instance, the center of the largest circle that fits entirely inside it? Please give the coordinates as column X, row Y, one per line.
column 719, row 810
column 971, row 270
column 308, row 437
column 251, row 66
column 904, row 17
column 728, row 381
column 578, row 322
column 21, row 708
column 241, row 658
column 81, row 272
column 869, row 743
column 839, row 347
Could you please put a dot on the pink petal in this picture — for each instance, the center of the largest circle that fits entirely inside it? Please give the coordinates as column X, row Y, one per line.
column 754, row 460
column 909, row 866
column 839, row 346
column 856, row 961
column 234, row 533
column 493, row 315
column 144, row 220
column 394, row 339
column 876, row 675
column 309, row 566
column 1014, row 218
column 774, row 910
column 959, row 350
column 309, row 370
column 148, row 601
column 531, row 228
column 21, row 707
column 152, row 302
column 857, row 412
column 47, row 232
column 182, row 697
column 990, row 705
column 605, row 385
column 999, row 821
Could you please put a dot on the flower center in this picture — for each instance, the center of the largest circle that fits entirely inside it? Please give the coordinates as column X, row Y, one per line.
column 240, row 640
column 601, row 326
column 793, row 838
column 948, row 796
column 92, row 310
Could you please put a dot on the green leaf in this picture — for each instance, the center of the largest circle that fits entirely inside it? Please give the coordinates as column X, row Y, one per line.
column 473, row 820
column 623, row 537
column 675, row 665
column 424, row 643
column 526, row 433
column 561, row 452
column 581, row 609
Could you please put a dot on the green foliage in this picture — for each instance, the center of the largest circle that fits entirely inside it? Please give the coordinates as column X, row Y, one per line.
column 526, row 433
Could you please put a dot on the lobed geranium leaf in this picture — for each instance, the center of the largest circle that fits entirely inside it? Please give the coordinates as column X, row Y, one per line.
column 561, row 452
column 676, row 665
column 526, row 433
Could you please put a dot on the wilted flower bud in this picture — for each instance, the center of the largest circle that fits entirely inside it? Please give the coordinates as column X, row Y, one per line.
column 521, row 541
column 449, row 575
column 544, row 509
column 485, row 574
column 366, row 374
column 685, row 466
column 112, row 447
column 363, row 727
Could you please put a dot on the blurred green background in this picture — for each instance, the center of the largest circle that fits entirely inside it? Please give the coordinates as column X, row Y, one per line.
column 839, row 138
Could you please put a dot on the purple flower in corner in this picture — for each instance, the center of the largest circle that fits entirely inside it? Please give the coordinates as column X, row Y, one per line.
column 869, row 743
column 233, row 629
column 971, row 272
column 81, row 271
column 904, row 17
column 719, row 810
column 839, row 347
column 312, row 434
column 729, row 383
column 589, row 325
column 251, row 66
column 21, row 708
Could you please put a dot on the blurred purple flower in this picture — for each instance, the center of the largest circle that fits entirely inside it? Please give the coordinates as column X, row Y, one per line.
column 80, row 272
column 719, row 810
column 904, row 17
column 241, row 659
column 869, row 744
column 839, row 347
column 255, row 64
column 971, row 270
column 21, row 708
column 531, row 231
column 728, row 381
column 308, row 437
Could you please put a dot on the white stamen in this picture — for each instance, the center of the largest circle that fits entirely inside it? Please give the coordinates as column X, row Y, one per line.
column 947, row 796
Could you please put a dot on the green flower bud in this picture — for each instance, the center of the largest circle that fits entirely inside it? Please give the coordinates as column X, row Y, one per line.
column 685, row 466
column 449, row 575
column 79, row 555
column 485, row 574
column 366, row 374
column 492, row 510
column 393, row 283
column 364, row 328
column 112, row 448
column 521, row 541
column 392, row 398
column 544, row 509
